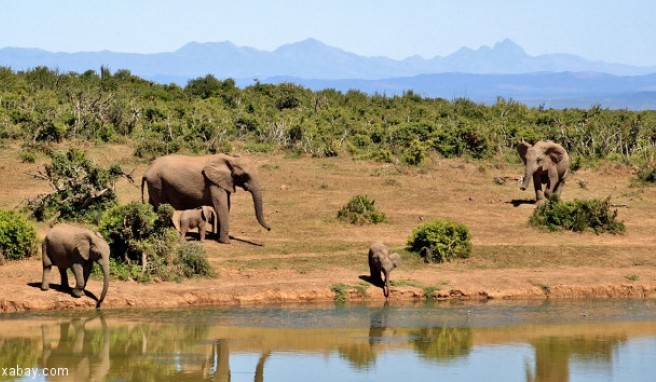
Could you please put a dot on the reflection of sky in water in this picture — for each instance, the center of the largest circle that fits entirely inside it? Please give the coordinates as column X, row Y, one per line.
column 633, row 361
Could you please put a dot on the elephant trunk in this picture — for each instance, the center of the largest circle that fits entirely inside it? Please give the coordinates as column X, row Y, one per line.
column 386, row 287
column 528, row 175
column 104, row 264
column 256, row 193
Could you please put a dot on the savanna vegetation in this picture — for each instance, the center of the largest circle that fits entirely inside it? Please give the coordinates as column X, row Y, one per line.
column 209, row 115
column 44, row 112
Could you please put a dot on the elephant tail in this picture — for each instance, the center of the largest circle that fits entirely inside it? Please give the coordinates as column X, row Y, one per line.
column 143, row 183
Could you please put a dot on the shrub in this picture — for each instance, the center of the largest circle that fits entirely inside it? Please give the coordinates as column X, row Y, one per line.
column 647, row 173
column 442, row 239
column 17, row 236
column 138, row 234
column 578, row 216
column 193, row 261
column 82, row 190
column 361, row 210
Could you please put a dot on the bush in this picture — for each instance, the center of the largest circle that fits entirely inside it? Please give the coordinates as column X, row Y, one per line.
column 647, row 173
column 192, row 260
column 82, row 189
column 361, row 210
column 17, row 236
column 578, row 216
column 442, row 239
column 138, row 234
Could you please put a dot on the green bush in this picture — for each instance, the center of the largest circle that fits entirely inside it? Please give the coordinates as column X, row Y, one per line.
column 192, row 260
column 139, row 235
column 82, row 190
column 647, row 173
column 361, row 210
column 17, row 236
column 578, row 216
column 442, row 239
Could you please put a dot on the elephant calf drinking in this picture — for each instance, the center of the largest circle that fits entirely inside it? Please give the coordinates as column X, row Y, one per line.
column 66, row 246
column 380, row 260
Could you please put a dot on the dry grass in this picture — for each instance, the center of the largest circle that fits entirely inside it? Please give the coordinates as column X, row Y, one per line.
column 303, row 195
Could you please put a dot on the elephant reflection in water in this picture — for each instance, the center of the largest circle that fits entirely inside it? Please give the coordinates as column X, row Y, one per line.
column 363, row 355
column 552, row 355
column 77, row 351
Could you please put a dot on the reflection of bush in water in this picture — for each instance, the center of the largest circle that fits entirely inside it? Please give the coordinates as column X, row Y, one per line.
column 23, row 352
column 361, row 356
column 442, row 344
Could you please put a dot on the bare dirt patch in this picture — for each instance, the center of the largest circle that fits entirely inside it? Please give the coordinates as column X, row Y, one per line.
column 308, row 251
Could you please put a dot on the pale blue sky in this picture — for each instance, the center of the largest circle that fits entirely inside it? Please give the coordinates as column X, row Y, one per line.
column 612, row 31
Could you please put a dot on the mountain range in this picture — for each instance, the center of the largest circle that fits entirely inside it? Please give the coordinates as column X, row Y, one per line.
column 483, row 74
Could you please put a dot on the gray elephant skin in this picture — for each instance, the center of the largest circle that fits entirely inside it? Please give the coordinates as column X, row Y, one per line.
column 66, row 246
column 187, row 182
column 200, row 218
column 381, row 261
column 546, row 162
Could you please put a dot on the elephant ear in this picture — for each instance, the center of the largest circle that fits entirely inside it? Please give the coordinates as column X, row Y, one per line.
column 396, row 259
column 555, row 153
column 207, row 213
column 219, row 171
column 82, row 245
column 522, row 149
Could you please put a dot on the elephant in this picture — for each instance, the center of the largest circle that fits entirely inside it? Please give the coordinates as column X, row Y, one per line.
column 187, row 182
column 199, row 218
column 545, row 162
column 67, row 246
column 380, row 260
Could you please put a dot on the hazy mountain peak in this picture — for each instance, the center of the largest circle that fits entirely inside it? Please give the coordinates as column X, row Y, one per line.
column 307, row 46
column 509, row 48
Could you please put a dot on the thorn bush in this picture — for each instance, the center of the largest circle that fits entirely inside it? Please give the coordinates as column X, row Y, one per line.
column 361, row 210
column 578, row 215
column 443, row 239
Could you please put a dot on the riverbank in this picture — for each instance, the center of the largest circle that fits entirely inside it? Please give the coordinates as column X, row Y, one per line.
column 309, row 255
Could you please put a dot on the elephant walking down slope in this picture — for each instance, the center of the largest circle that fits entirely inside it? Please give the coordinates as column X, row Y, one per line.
column 187, row 182
column 546, row 163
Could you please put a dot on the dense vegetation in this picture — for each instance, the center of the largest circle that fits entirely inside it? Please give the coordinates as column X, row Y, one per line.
column 17, row 237
column 361, row 210
column 209, row 115
column 441, row 240
column 578, row 215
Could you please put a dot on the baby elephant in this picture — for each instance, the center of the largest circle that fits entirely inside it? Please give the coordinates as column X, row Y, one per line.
column 66, row 246
column 380, row 260
column 199, row 218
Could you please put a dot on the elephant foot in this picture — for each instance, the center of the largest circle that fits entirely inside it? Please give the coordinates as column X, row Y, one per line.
column 77, row 292
column 45, row 287
column 224, row 240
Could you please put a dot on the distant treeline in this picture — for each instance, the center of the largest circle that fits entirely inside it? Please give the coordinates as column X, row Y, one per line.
column 209, row 115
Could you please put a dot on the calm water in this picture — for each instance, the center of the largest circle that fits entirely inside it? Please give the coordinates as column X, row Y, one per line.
column 539, row 341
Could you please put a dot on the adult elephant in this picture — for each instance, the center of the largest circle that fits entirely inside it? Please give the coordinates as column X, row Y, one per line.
column 187, row 182
column 546, row 162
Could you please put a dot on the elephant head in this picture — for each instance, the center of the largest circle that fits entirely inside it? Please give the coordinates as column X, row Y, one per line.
column 207, row 214
column 230, row 172
column 91, row 246
column 545, row 162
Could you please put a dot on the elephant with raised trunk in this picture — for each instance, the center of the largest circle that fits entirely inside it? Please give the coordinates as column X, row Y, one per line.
column 66, row 246
column 546, row 163
column 187, row 182
column 380, row 260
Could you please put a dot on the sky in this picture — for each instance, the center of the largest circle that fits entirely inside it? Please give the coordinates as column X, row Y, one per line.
column 612, row 31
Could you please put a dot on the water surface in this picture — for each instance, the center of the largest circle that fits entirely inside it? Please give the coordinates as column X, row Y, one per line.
column 510, row 341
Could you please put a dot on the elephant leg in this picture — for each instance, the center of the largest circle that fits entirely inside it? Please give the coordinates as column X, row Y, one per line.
column 78, row 271
column 183, row 232
column 201, row 231
column 220, row 200
column 63, row 274
column 87, row 269
column 559, row 187
column 537, row 184
column 47, row 266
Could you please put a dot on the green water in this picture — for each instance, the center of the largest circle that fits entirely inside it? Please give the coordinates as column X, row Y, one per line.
column 527, row 341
